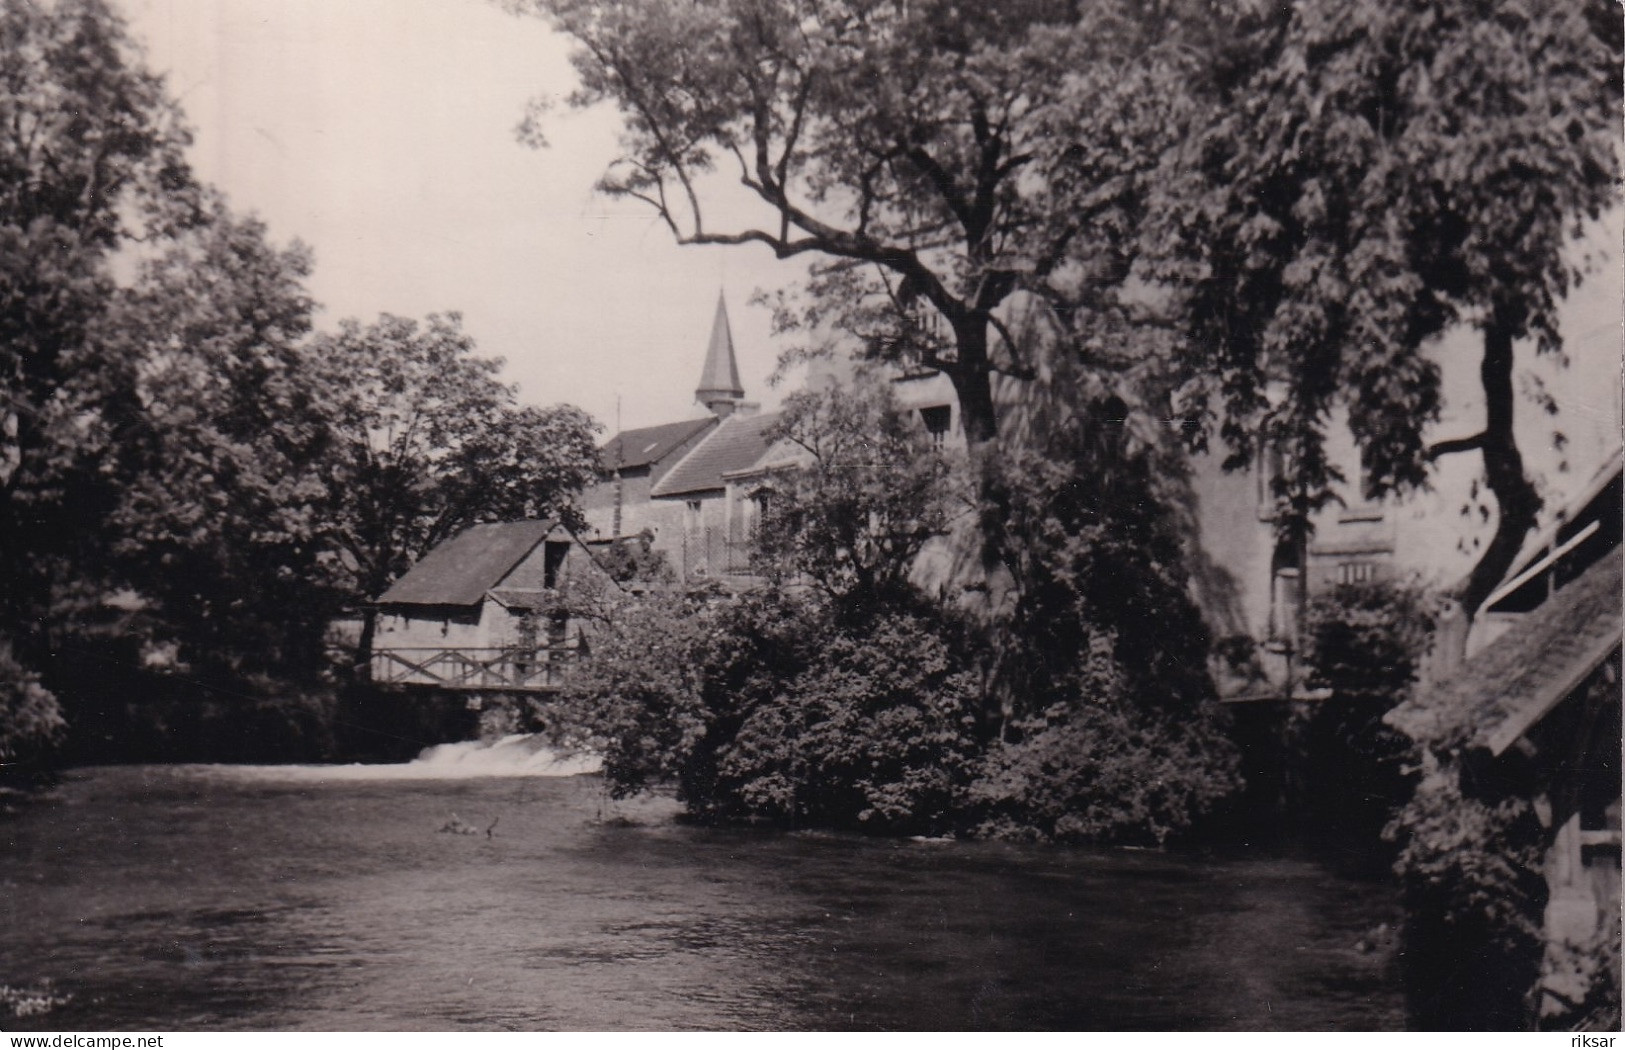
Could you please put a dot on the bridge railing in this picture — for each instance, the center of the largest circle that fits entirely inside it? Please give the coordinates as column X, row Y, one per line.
column 539, row 670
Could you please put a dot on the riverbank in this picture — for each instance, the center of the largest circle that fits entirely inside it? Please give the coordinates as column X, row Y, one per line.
column 228, row 898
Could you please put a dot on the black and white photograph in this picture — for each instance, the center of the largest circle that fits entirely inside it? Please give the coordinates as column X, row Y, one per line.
column 779, row 516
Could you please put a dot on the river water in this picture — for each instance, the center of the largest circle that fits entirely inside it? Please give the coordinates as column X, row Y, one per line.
column 450, row 894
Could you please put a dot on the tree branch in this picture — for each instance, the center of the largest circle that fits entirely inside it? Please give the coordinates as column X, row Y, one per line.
column 1453, row 445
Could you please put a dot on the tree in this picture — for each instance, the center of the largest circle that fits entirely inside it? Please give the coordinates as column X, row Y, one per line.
column 1373, row 174
column 217, row 431
column 867, row 495
column 1107, row 727
column 912, row 146
column 91, row 157
column 428, row 441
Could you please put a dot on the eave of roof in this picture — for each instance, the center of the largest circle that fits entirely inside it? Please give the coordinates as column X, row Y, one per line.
column 461, row 570
column 737, row 444
column 644, row 446
column 1520, row 677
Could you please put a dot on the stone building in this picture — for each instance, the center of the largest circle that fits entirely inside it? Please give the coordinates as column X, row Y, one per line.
column 676, row 482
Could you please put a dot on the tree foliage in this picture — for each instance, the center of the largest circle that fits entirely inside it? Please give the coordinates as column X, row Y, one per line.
column 217, row 433
column 427, row 440
column 878, row 731
column 936, row 157
column 31, row 722
column 769, row 707
column 1364, row 644
column 91, row 155
column 866, row 493
column 1371, row 175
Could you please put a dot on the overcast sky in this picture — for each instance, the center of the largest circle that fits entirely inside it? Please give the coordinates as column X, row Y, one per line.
column 381, row 132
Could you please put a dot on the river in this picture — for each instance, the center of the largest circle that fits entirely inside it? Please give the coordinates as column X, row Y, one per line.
column 449, row 894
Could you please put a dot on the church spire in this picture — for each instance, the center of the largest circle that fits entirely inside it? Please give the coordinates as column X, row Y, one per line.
column 719, row 388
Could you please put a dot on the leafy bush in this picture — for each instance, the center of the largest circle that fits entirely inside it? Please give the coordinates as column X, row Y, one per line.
column 31, row 723
column 840, row 697
column 878, row 732
column 769, row 707
column 1102, row 768
column 1364, row 643
column 638, row 701
column 1111, row 729
column 765, row 707
column 1474, row 896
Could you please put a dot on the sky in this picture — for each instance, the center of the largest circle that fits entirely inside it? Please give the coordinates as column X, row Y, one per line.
column 381, row 133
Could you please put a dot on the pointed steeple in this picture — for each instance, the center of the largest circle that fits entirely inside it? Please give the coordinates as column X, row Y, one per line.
column 719, row 387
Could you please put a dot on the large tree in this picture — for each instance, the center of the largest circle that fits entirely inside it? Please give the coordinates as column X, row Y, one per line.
column 910, row 147
column 91, row 158
column 427, row 441
column 1372, row 175
column 216, row 431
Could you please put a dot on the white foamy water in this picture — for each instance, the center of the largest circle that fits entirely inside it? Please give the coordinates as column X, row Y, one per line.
column 516, row 755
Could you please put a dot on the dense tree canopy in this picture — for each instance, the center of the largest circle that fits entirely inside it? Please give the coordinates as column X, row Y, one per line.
column 426, row 440
column 216, row 431
column 1371, row 175
column 912, row 147
column 1322, row 188
column 91, row 155
column 189, row 480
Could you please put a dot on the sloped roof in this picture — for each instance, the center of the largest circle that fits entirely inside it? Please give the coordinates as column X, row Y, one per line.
column 720, row 376
column 520, row 597
column 461, row 570
column 647, row 445
column 1583, row 529
column 1515, row 681
column 736, row 444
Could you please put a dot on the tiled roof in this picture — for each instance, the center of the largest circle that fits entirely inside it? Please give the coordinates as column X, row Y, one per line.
column 520, row 597
column 461, row 570
column 1515, row 681
column 736, row 444
column 646, row 445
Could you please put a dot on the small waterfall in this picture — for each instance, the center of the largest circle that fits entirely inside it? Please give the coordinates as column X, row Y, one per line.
column 516, row 755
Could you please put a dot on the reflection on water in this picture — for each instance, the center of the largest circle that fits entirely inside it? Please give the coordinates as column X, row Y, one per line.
column 304, row 898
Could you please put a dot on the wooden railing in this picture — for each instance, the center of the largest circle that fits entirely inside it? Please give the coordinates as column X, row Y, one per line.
column 532, row 670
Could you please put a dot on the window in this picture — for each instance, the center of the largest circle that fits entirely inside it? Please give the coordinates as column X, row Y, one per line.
column 1269, row 466
column 1285, row 593
column 1356, row 572
column 694, row 507
column 751, row 509
column 937, row 419
column 552, row 561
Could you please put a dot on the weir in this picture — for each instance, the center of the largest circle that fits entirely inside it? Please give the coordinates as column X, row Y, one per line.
column 515, row 755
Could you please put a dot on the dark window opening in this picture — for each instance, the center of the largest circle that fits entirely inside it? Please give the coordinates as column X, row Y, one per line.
column 552, row 561
column 1356, row 572
column 937, row 420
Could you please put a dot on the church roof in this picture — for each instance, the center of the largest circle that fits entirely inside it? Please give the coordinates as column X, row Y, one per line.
column 719, row 379
column 737, row 444
column 1516, row 680
column 461, row 570
column 649, row 445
